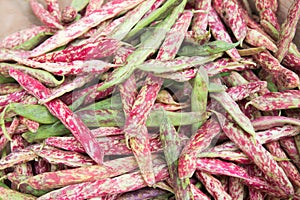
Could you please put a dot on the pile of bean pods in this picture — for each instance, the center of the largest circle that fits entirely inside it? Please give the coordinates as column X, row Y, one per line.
column 151, row 99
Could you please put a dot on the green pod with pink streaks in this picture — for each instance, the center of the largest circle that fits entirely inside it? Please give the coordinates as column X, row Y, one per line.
column 243, row 91
column 219, row 32
column 34, row 41
column 284, row 77
column 199, row 95
column 255, row 38
column 288, row 167
column 135, row 129
column 58, row 179
column 227, row 65
column 44, row 16
column 43, row 76
column 156, row 14
column 12, row 194
column 53, row 8
column 100, row 48
column 267, row 122
column 260, row 156
column 146, row 48
column 57, row 156
column 68, row 86
column 7, row 88
column 66, row 35
column 289, row 146
column 155, row 6
column 171, row 144
column 233, row 109
column 287, row 99
column 200, row 21
column 236, row 157
column 20, row 37
column 288, row 30
column 230, row 12
column 36, row 113
column 180, row 76
column 198, row 194
column 236, row 188
column 207, row 49
column 130, row 20
column 198, row 142
column 213, row 185
column 62, row 112
column 120, row 184
column 180, row 63
column 219, row 167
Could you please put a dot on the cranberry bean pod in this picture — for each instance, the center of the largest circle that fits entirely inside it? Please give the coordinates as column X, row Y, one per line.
column 289, row 146
column 13, row 194
column 171, row 144
column 93, row 6
column 146, row 48
column 198, row 142
column 255, row 38
column 44, row 15
column 135, row 128
column 213, row 186
column 232, row 108
column 258, row 155
column 240, row 92
column 267, row 122
column 53, row 9
column 100, row 48
column 219, row 167
column 200, row 21
column 131, row 19
column 230, row 12
column 198, row 194
column 60, row 110
column 285, row 78
column 119, row 184
column 17, row 38
column 76, row 29
column 236, row 188
column 276, row 100
column 52, row 180
column 288, row 30
column 290, row 170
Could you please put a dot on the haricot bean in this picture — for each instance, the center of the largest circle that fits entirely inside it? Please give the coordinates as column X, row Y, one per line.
column 136, row 99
